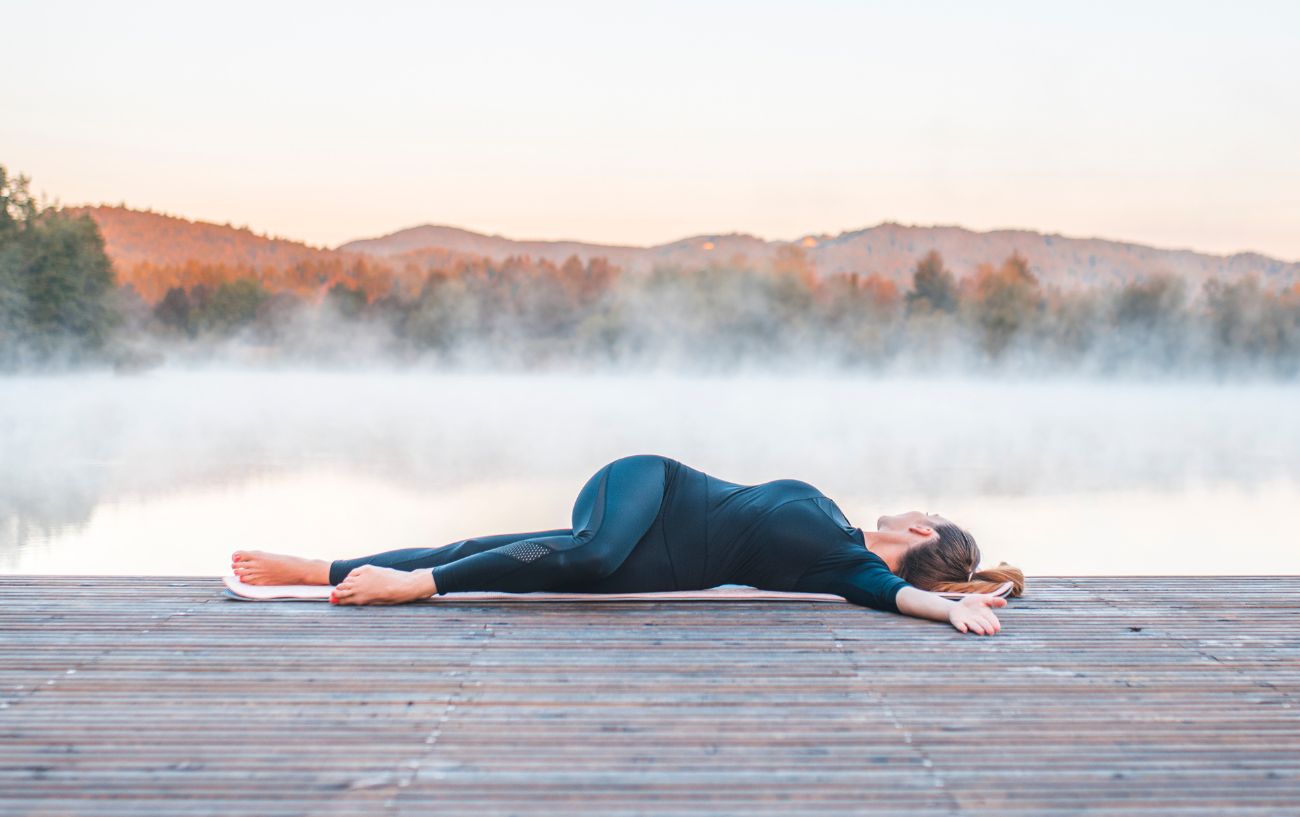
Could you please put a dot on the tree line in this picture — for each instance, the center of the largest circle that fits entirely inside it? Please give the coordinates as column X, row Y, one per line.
column 59, row 301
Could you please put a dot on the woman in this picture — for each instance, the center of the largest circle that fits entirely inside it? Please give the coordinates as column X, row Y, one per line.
column 646, row 523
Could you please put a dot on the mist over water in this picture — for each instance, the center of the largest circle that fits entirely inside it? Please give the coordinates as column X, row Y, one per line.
column 167, row 471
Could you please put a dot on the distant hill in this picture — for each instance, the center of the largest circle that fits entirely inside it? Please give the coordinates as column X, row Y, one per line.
column 890, row 250
column 138, row 236
column 701, row 250
column 153, row 251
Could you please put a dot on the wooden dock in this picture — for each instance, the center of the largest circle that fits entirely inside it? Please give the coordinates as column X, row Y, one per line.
column 142, row 696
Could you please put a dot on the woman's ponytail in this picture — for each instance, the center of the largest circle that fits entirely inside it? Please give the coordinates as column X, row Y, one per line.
column 948, row 565
column 986, row 581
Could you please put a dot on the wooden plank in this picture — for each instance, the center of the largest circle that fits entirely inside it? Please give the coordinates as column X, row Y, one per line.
column 1136, row 695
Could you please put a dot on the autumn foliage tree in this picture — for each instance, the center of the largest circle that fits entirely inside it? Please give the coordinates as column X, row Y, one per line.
column 1004, row 301
column 1253, row 328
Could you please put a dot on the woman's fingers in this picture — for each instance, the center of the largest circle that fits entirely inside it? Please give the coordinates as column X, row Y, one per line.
column 978, row 620
column 989, row 621
column 982, row 617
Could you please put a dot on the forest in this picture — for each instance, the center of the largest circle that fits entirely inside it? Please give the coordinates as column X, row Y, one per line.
column 61, row 304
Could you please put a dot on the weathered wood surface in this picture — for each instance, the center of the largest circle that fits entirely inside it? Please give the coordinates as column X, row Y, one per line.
column 138, row 696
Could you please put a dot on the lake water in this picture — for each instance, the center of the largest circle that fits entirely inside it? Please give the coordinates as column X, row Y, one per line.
column 166, row 472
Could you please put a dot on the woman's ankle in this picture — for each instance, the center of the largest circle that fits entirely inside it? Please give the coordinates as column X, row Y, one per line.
column 317, row 571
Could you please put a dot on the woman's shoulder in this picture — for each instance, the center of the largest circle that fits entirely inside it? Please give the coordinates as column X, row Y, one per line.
column 798, row 496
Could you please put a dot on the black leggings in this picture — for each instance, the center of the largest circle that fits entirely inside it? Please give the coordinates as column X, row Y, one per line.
column 614, row 510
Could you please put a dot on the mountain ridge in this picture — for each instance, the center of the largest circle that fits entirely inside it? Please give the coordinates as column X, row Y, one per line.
column 357, row 244
column 889, row 249
column 141, row 239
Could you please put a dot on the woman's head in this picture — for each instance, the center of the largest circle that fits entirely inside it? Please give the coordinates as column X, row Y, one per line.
column 945, row 558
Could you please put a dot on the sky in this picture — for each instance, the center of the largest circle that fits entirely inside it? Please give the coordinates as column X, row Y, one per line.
column 1175, row 124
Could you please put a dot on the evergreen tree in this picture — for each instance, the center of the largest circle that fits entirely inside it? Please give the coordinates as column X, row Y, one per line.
column 348, row 302
column 934, row 289
column 232, row 306
column 175, row 311
column 55, row 279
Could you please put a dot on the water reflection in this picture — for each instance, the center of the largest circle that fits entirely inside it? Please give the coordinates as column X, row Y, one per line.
column 168, row 472
column 327, row 513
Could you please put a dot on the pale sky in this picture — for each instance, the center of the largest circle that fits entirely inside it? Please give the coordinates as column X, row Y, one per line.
column 1175, row 124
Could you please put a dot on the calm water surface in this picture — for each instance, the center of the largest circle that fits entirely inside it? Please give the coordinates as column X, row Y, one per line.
column 167, row 472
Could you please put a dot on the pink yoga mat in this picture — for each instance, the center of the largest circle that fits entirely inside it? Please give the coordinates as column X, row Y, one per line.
column 726, row 592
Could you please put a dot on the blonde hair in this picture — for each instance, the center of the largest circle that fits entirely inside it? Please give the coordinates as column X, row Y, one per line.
column 950, row 564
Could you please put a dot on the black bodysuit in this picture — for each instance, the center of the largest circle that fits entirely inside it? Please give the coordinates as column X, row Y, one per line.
column 646, row 523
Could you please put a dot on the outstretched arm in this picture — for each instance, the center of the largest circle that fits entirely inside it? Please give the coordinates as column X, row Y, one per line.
column 971, row 614
column 868, row 581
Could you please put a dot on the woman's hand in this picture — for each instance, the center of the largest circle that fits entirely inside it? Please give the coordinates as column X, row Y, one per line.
column 974, row 614
column 971, row 614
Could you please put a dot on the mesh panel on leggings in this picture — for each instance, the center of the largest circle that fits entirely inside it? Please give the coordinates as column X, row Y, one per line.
column 525, row 551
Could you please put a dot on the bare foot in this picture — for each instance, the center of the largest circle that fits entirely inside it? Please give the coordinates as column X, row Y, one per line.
column 369, row 584
column 260, row 567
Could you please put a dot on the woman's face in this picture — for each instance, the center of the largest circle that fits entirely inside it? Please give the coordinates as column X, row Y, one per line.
column 919, row 522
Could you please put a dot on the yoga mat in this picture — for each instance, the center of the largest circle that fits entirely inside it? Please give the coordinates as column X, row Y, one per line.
column 236, row 589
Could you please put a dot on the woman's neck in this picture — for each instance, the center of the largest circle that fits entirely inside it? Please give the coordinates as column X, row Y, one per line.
column 887, row 545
